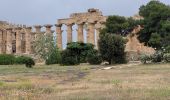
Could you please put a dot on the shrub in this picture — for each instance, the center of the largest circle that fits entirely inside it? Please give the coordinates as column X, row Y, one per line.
column 28, row 61
column 6, row 59
column 20, row 60
column 94, row 58
column 54, row 57
column 157, row 56
column 112, row 48
column 166, row 57
column 68, row 58
column 144, row 58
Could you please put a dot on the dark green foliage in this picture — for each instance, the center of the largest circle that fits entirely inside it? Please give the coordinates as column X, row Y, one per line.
column 166, row 57
column 80, row 50
column 6, row 59
column 112, row 48
column 76, row 53
column 157, row 56
column 156, row 20
column 94, row 58
column 68, row 58
column 54, row 57
column 28, row 61
column 155, row 41
column 120, row 25
column 167, row 49
column 145, row 58
column 20, row 60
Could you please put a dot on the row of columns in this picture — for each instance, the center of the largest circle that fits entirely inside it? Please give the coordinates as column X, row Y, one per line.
column 29, row 35
column 80, row 35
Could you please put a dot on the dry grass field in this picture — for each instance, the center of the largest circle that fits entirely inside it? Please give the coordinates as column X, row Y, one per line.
column 85, row 82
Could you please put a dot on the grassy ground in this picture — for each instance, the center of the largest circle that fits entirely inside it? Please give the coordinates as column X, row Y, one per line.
column 134, row 82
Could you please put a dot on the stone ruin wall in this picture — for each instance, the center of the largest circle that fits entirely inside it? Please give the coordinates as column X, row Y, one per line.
column 17, row 39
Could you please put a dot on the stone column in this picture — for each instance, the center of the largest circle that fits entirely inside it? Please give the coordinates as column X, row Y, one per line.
column 1, row 42
column 48, row 29
column 38, row 29
column 97, row 37
column 80, row 36
column 69, row 33
column 9, row 41
column 59, row 36
column 91, row 33
column 28, row 40
column 18, row 40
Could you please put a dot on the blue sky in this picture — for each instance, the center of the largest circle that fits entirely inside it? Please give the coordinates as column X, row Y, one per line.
column 32, row 12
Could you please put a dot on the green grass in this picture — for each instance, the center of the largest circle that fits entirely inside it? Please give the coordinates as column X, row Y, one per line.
column 136, row 82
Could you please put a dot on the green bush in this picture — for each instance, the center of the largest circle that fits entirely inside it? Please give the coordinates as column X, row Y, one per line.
column 6, row 59
column 68, row 58
column 54, row 57
column 28, row 61
column 20, row 60
column 144, row 58
column 166, row 57
column 94, row 58
column 157, row 56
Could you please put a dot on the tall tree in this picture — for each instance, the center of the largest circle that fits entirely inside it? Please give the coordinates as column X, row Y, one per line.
column 156, row 20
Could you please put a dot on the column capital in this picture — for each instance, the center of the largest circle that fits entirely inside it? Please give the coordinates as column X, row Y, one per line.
column 80, row 23
column 9, row 29
column 18, row 28
column 58, row 25
column 28, row 28
column 69, row 24
column 37, row 26
column 48, row 26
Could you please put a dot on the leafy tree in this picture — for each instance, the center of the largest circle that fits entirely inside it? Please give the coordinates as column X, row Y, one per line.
column 76, row 53
column 44, row 48
column 112, row 48
column 120, row 25
column 94, row 58
column 155, row 40
column 156, row 20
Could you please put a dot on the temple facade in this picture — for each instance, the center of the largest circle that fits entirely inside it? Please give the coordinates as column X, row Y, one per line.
column 17, row 39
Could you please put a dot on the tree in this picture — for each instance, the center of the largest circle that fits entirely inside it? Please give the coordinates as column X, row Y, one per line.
column 44, row 48
column 156, row 20
column 76, row 53
column 155, row 40
column 120, row 25
column 112, row 48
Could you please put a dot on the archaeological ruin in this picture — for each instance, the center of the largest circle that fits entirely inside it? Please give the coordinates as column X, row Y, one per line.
column 17, row 39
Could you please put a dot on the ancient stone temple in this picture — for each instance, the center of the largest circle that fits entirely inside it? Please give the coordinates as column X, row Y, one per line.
column 17, row 39
column 93, row 19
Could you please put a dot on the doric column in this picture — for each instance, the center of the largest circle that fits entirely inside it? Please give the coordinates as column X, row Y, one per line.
column 48, row 29
column 90, row 33
column 28, row 40
column 59, row 36
column 9, row 41
column 97, row 37
column 38, row 28
column 80, row 36
column 1, row 42
column 18, row 40
column 69, row 33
